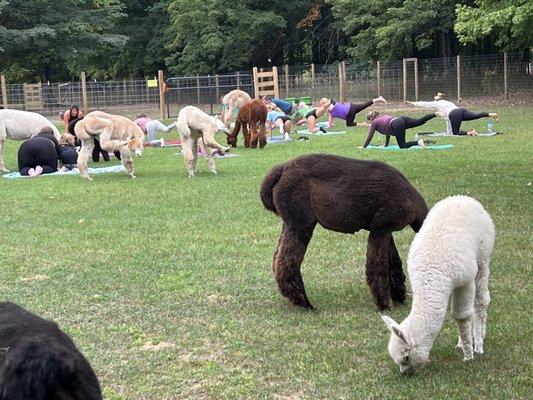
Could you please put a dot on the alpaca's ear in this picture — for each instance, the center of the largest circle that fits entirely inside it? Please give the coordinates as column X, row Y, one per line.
column 395, row 328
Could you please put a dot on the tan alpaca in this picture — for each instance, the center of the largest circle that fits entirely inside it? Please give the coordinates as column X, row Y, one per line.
column 115, row 133
column 234, row 100
column 194, row 124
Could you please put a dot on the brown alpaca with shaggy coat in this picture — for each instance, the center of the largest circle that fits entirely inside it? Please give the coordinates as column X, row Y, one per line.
column 251, row 116
column 343, row 195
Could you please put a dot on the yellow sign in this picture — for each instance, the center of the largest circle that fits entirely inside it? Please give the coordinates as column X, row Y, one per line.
column 151, row 83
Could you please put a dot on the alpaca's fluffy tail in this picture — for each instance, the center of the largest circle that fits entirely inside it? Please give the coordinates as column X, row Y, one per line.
column 40, row 366
column 268, row 186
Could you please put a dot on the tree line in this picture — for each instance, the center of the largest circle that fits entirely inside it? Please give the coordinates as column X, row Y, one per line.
column 44, row 40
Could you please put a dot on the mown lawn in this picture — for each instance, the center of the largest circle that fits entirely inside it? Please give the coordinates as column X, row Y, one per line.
column 185, row 264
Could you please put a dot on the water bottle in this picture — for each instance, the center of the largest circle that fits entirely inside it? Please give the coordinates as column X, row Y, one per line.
column 490, row 125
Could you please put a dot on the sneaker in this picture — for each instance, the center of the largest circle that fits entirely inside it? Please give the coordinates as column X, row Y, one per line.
column 381, row 99
column 162, row 142
column 321, row 129
column 31, row 172
column 421, row 143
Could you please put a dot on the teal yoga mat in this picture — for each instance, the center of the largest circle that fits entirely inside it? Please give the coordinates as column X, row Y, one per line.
column 226, row 155
column 396, row 148
column 306, row 132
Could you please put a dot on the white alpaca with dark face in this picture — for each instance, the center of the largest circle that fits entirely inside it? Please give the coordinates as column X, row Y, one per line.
column 449, row 257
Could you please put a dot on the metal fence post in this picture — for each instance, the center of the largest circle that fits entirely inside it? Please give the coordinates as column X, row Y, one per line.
column 161, row 84
column 313, row 76
column 198, row 89
column 379, row 77
column 4, row 90
column 210, row 92
column 286, row 70
column 84, row 93
column 458, row 78
column 416, row 79
column 404, row 64
column 505, row 76
column 217, row 91
column 238, row 73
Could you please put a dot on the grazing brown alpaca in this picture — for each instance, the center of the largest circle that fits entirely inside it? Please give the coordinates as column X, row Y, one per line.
column 251, row 116
column 343, row 195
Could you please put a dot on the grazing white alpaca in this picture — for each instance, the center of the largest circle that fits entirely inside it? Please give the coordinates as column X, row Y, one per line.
column 21, row 125
column 450, row 255
column 192, row 125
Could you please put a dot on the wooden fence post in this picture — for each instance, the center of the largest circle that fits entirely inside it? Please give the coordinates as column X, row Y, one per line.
column 458, row 78
column 505, row 76
column 275, row 81
column 342, row 82
column 404, row 62
column 238, row 73
column 161, row 84
column 379, row 78
column 4, row 90
column 84, row 93
column 256, row 83
column 286, row 71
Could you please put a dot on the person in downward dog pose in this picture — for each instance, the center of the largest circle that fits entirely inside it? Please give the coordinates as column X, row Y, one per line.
column 344, row 111
column 151, row 126
column 395, row 126
column 453, row 114
column 286, row 106
column 280, row 120
column 232, row 102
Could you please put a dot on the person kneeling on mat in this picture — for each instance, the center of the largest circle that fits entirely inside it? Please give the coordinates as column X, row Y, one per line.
column 151, row 126
column 38, row 155
column 395, row 126
column 280, row 120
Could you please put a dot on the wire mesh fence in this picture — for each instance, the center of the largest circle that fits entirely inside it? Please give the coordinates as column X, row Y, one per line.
column 468, row 77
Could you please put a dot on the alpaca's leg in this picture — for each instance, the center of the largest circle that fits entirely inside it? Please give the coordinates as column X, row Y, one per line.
column 377, row 267
column 463, row 312
column 2, row 166
column 87, row 146
column 125, row 158
column 262, row 136
column 3, row 136
column 482, row 300
column 253, row 136
column 246, row 135
column 209, row 158
column 288, row 259
column 397, row 277
column 194, row 151
column 187, row 155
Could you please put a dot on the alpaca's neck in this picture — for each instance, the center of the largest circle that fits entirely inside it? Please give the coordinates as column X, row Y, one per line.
column 427, row 313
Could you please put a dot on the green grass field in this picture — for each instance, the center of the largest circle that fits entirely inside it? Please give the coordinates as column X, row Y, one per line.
column 123, row 265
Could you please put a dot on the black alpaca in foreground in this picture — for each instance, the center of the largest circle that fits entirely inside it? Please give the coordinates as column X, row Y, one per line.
column 40, row 362
column 343, row 195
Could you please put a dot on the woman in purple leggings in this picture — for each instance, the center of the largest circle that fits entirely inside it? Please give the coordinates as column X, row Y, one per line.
column 395, row 126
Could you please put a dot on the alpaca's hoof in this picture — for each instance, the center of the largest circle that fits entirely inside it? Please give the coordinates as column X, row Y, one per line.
column 478, row 350
column 214, row 171
column 4, row 170
column 468, row 358
column 133, row 176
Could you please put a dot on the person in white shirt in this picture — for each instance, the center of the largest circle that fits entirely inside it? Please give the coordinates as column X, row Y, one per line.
column 453, row 114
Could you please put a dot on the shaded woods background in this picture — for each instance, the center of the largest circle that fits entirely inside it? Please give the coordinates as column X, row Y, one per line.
column 44, row 40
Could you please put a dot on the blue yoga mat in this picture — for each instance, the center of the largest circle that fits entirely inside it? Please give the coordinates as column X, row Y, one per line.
column 319, row 133
column 103, row 170
column 395, row 147
column 277, row 140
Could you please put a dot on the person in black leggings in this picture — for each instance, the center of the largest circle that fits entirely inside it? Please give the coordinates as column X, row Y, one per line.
column 97, row 150
column 39, row 154
column 458, row 115
column 395, row 126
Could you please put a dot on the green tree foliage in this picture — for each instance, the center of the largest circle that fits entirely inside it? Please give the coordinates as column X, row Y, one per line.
column 509, row 21
column 392, row 29
column 41, row 38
